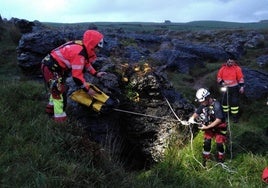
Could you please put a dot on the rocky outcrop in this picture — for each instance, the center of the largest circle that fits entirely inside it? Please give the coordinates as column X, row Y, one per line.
column 260, row 87
column 142, row 125
column 262, row 61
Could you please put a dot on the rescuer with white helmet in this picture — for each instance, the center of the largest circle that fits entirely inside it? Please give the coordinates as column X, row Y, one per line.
column 212, row 119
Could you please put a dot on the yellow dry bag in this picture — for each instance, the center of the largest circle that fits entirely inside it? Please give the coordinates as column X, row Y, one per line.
column 97, row 101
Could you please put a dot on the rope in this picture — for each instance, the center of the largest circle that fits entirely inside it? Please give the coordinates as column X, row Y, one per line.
column 228, row 123
column 172, row 110
column 157, row 117
column 192, row 148
column 224, row 166
column 181, row 121
column 229, row 127
column 140, row 114
column 191, row 137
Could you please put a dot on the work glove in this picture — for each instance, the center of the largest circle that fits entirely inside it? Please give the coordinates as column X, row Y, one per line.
column 185, row 122
column 88, row 89
column 100, row 74
column 221, row 83
column 91, row 92
column 191, row 120
column 201, row 127
column 241, row 90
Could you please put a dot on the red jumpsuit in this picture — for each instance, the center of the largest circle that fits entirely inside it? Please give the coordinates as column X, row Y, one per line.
column 69, row 57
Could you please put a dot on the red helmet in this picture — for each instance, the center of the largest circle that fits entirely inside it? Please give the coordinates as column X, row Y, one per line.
column 265, row 175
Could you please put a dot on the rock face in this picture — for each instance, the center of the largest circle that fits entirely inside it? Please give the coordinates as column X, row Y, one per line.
column 141, row 126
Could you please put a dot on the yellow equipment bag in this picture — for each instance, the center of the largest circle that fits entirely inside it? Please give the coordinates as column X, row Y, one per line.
column 97, row 101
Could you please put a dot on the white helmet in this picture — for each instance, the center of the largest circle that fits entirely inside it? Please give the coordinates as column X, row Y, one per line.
column 201, row 94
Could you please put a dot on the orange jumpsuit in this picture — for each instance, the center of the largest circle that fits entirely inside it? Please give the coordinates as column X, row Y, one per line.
column 231, row 77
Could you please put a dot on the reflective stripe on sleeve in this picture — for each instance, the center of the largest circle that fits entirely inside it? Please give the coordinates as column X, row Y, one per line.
column 77, row 67
column 65, row 61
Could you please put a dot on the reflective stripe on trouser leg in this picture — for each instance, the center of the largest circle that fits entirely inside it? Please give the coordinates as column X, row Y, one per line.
column 225, row 108
column 58, row 107
column 234, row 109
column 206, row 155
column 221, row 157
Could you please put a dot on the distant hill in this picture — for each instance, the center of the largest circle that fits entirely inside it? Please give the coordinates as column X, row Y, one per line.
column 147, row 26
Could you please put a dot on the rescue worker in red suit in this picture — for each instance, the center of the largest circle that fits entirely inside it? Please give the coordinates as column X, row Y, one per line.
column 73, row 58
column 230, row 76
column 210, row 115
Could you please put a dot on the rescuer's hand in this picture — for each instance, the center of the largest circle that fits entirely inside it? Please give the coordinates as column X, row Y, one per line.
column 100, row 74
column 202, row 127
column 91, row 92
column 191, row 120
column 241, row 90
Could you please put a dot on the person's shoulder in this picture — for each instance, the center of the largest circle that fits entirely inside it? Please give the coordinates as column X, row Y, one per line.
column 217, row 104
column 222, row 67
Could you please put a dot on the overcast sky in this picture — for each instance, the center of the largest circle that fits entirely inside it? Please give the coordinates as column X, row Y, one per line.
column 74, row 11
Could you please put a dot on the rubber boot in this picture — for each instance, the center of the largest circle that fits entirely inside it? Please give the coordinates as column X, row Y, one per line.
column 206, row 157
column 220, row 157
column 50, row 109
column 60, row 119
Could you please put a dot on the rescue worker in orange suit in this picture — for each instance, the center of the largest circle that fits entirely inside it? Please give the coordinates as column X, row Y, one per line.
column 70, row 57
column 212, row 121
column 230, row 77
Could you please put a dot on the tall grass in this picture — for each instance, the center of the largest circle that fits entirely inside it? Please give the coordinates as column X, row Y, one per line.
column 36, row 152
column 182, row 168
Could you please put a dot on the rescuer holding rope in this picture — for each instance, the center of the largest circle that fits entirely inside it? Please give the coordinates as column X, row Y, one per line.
column 212, row 119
